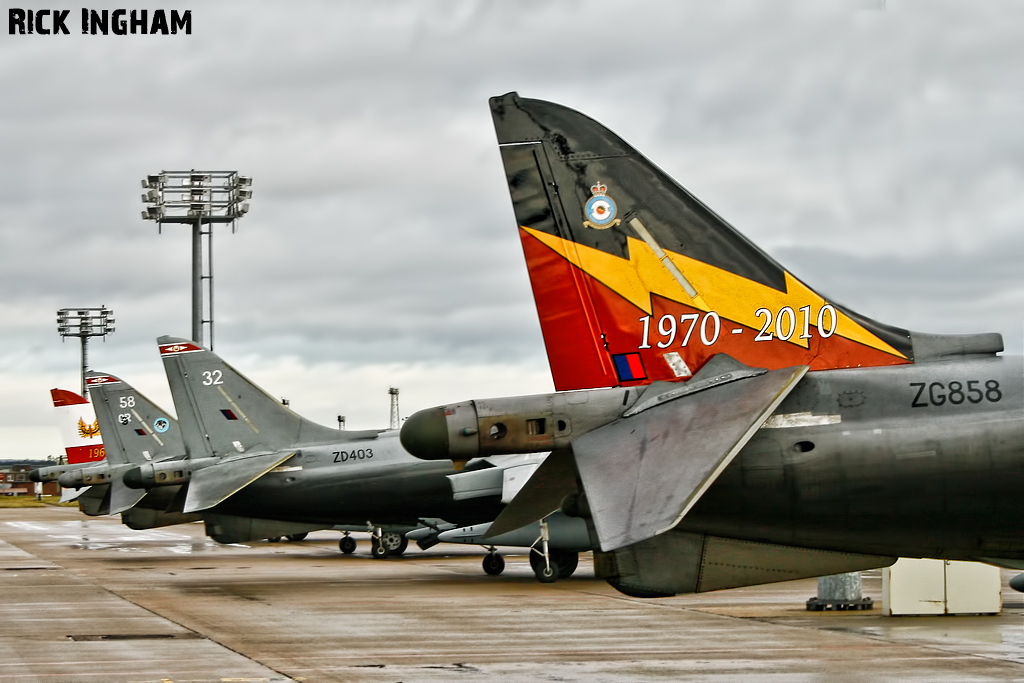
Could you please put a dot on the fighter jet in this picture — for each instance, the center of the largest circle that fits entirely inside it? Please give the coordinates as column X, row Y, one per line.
column 138, row 432
column 135, row 431
column 145, row 443
column 719, row 422
column 251, row 458
column 88, row 475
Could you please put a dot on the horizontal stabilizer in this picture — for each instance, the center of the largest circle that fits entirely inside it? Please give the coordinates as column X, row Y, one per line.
column 213, row 484
column 643, row 473
column 68, row 495
column 95, row 500
column 540, row 496
column 122, row 498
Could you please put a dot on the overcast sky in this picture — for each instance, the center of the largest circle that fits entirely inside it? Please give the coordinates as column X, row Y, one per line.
column 875, row 149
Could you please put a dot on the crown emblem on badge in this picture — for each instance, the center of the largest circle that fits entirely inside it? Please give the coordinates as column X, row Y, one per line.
column 600, row 209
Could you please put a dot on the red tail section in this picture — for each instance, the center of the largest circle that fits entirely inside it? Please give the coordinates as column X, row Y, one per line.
column 78, row 426
column 636, row 281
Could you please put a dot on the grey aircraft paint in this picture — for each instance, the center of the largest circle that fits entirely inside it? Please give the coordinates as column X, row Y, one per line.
column 896, row 443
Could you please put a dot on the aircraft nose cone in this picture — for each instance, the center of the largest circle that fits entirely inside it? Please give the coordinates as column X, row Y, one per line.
column 425, row 434
column 133, row 478
column 34, row 476
column 1017, row 583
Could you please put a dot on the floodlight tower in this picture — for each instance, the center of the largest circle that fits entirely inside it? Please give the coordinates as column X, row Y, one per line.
column 393, row 392
column 198, row 198
column 84, row 323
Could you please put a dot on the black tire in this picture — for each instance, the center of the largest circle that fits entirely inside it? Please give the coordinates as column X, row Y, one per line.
column 274, row 539
column 295, row 538
column 378, row 550
column 494, row 564
column 536, row 561
column 541, row 570
column 566, row 560
column 390, row 544
column 347, row 545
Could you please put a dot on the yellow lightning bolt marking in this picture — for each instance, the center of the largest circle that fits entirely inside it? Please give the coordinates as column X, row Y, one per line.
column 731, row 296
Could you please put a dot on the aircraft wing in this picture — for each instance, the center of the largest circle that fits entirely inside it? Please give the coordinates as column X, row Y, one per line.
column 539, row 497
column 644, row 472
column 68, row 495
column 213, row 484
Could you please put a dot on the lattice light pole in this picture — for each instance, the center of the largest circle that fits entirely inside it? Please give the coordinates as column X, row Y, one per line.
column 198, row 198
column 393, row 392
column 84, row 323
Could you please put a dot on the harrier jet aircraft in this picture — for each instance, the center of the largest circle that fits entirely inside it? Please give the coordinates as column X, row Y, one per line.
column 251, row 457
column 719, row 422
column 148, row 478
column 135, row 431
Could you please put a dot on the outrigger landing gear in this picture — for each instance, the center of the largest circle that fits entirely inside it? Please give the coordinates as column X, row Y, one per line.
column 347, row 544
column 540, row 560
column 550, row 564
column 494, row 563
column 387, row 543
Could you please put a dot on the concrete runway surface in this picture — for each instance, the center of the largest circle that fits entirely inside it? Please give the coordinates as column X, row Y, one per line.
column 87, row 599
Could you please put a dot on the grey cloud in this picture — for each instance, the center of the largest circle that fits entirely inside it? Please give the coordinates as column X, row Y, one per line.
column 870, row 151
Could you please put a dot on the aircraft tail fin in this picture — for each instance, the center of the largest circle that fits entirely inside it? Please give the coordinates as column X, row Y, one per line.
column 135, row 430
column 223, row 413
column 635, row 280
column 79, row 428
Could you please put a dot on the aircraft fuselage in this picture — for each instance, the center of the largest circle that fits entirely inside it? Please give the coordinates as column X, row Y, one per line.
column 355, row 481
column 912, row 460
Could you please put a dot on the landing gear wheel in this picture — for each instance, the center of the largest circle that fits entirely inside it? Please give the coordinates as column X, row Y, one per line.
column 402, row 546
column 566, row 561
column 347, row 545
column 274, row 539
column 494, row 564
column 390, row 543
column 543, row 572
column 295, row 538
column 377, row 549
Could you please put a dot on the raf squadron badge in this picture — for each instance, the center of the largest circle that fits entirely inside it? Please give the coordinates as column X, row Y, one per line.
column 600, row 208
